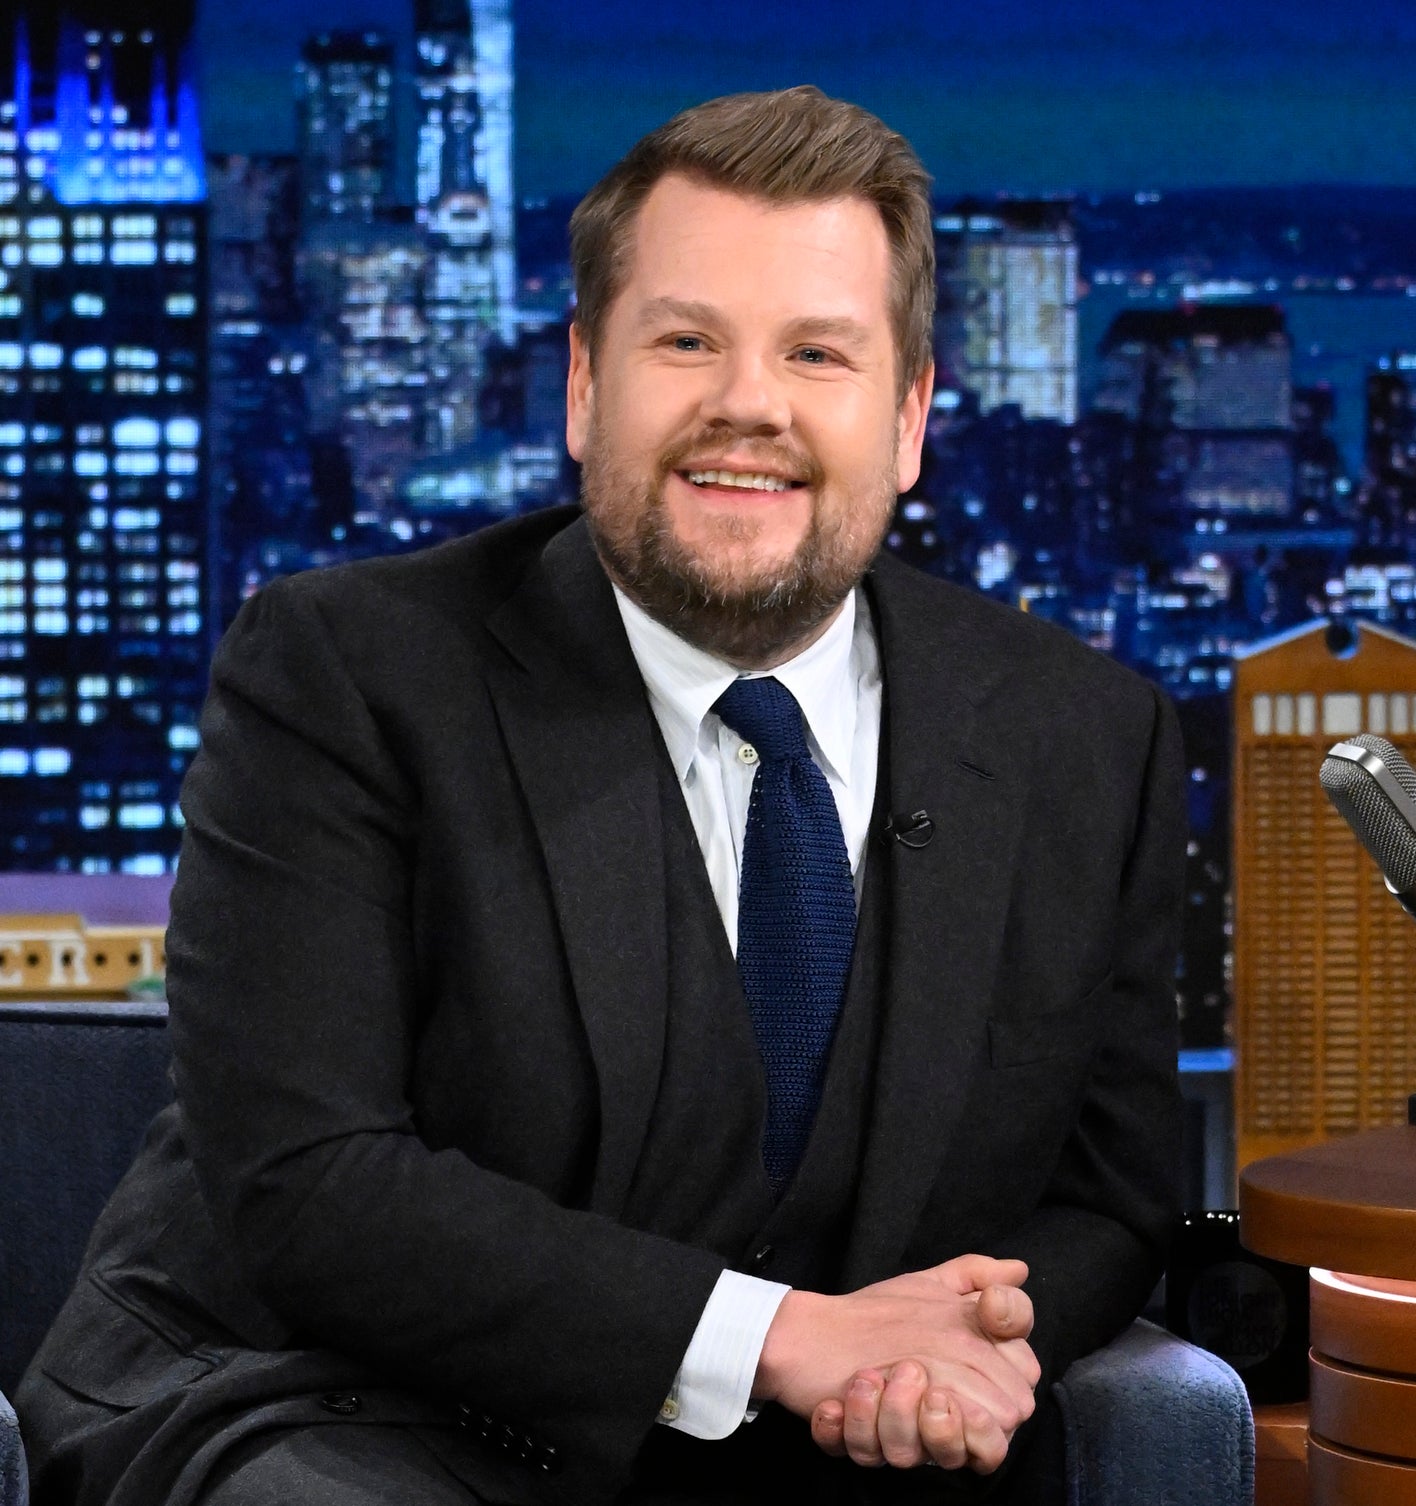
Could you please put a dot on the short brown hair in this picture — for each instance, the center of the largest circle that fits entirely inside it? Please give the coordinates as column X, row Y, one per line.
column 791, row 146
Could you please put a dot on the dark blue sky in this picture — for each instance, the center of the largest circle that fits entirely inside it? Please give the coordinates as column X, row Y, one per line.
column 1016, row 94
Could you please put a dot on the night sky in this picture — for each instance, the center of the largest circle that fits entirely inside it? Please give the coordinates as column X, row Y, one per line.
column 997, row 94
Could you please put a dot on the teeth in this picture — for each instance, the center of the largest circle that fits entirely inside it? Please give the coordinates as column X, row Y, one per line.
column 748, row 480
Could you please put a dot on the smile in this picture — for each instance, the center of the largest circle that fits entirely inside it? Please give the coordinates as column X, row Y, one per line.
column 757, row 481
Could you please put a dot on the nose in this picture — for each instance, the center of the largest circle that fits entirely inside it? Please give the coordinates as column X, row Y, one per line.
column 748, row 396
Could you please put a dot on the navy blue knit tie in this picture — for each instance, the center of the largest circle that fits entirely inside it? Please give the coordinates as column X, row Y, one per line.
column 796, row 913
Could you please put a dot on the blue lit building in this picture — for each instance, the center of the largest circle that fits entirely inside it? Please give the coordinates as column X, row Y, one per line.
column 104, row 609
column 345, row 104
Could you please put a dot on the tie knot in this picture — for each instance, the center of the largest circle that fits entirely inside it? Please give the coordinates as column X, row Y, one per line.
column 764, row 713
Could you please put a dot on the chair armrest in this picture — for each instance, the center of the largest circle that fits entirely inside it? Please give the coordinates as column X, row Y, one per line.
column 14, row 1482
column 1153, row 1421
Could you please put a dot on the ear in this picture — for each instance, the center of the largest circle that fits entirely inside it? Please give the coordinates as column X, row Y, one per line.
column 914, row 415
column 579, row 395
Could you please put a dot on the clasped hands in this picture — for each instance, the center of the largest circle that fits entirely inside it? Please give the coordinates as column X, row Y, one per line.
column 930, row 1367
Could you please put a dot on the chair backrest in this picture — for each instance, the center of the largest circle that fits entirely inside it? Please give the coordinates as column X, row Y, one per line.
column 79, row 1084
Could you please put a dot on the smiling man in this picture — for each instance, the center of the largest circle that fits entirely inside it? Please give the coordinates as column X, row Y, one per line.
column 668, row 1004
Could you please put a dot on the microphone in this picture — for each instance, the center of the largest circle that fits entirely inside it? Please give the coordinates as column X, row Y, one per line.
column 910, row 828
column 1374, row 790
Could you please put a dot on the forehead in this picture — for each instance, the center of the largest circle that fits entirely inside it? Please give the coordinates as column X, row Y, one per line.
column 696, row 243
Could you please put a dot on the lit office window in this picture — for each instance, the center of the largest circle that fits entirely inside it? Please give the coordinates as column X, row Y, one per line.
column 134, row 253
column 12, row 434
column 52, row 624
column 12, row 356
column 12, row 596
column 45, row 356
column 142, row 816
column 185, row 623
column 136, row 226
column 136, row 463
column 46, row 228
column 181, row 305
column 92, row 817
column 45, row 256
column 88, row 252
column 91, row 463
column 90, row 358
column 51, row 761
column 183, row 433
column 182, row 737
column 137, row 433
column 51, row 569
column 139, row 356
column 10, row 306
column 14, row 761
column 179, row 251
column 50, row 596
column 86, row 226
column 137, row 517
column 182, row 465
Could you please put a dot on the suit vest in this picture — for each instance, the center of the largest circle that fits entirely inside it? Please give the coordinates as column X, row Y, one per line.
column 700, row 1178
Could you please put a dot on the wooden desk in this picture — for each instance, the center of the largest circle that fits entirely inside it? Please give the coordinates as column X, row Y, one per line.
column 1347, row 1208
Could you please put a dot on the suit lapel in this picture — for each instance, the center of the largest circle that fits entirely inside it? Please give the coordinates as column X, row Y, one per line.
column 948, row 906
column 582, row 741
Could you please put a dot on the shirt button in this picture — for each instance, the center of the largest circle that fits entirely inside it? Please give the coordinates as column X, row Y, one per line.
column 669, row 1411
column 747, row 754
column 761, row 1257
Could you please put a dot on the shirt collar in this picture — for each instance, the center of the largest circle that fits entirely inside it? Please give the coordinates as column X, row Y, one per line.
column 684, row 681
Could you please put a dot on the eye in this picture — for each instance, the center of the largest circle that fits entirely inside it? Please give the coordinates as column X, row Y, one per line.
column 687, row 342
column 814, row 355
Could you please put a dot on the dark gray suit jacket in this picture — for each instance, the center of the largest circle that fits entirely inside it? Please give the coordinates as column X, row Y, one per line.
column 418, row 990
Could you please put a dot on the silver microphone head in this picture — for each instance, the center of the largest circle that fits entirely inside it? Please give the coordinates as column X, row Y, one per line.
column 1374, row 790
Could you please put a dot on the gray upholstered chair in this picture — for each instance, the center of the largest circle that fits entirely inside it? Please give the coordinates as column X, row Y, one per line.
column 1151, row 1421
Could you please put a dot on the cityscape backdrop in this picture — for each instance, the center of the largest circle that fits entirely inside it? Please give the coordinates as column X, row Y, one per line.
column 284, row 284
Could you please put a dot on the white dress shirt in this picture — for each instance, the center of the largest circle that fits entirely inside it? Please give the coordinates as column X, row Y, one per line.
column 836, row 682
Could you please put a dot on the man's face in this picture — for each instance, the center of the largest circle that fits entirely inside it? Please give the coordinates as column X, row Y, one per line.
column 741, row 436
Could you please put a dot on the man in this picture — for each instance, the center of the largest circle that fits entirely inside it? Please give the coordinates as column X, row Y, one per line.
column 494, row 1174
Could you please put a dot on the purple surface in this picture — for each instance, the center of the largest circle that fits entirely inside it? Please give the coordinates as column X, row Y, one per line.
column 102, row 899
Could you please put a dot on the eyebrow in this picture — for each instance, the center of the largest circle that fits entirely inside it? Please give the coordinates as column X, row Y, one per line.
column 811, row 326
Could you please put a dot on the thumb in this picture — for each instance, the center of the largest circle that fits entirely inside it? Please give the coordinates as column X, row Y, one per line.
column 1004, row 1312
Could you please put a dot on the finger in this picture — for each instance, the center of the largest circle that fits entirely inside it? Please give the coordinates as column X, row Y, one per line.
column 972, row 1273
column 941, row 1429
column 862, row 1409
column 985, row 1442
column 898, row 1423
column 1019, row 1354
column 1001, row 1393
column 828, row 1424
column 1005, row 1312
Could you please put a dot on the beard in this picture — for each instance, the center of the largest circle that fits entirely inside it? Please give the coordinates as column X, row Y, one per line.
column 751, row 615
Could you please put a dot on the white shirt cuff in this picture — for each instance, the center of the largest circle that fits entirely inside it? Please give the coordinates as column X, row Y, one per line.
column 711, row 1391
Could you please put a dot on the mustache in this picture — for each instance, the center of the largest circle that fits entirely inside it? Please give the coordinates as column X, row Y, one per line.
column 717, row 444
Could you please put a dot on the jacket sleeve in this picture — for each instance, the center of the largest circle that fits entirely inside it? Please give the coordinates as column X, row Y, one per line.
column 294, row 1001
column 1096, row 1244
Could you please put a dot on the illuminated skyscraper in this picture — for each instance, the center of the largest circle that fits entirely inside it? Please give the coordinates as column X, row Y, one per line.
column 460, row 292
column 1007, row 326
column 1211, row 387
column 1323, row 955
column 492, row 37
column 345, row 102
column 465, row 203
column 103, row 528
